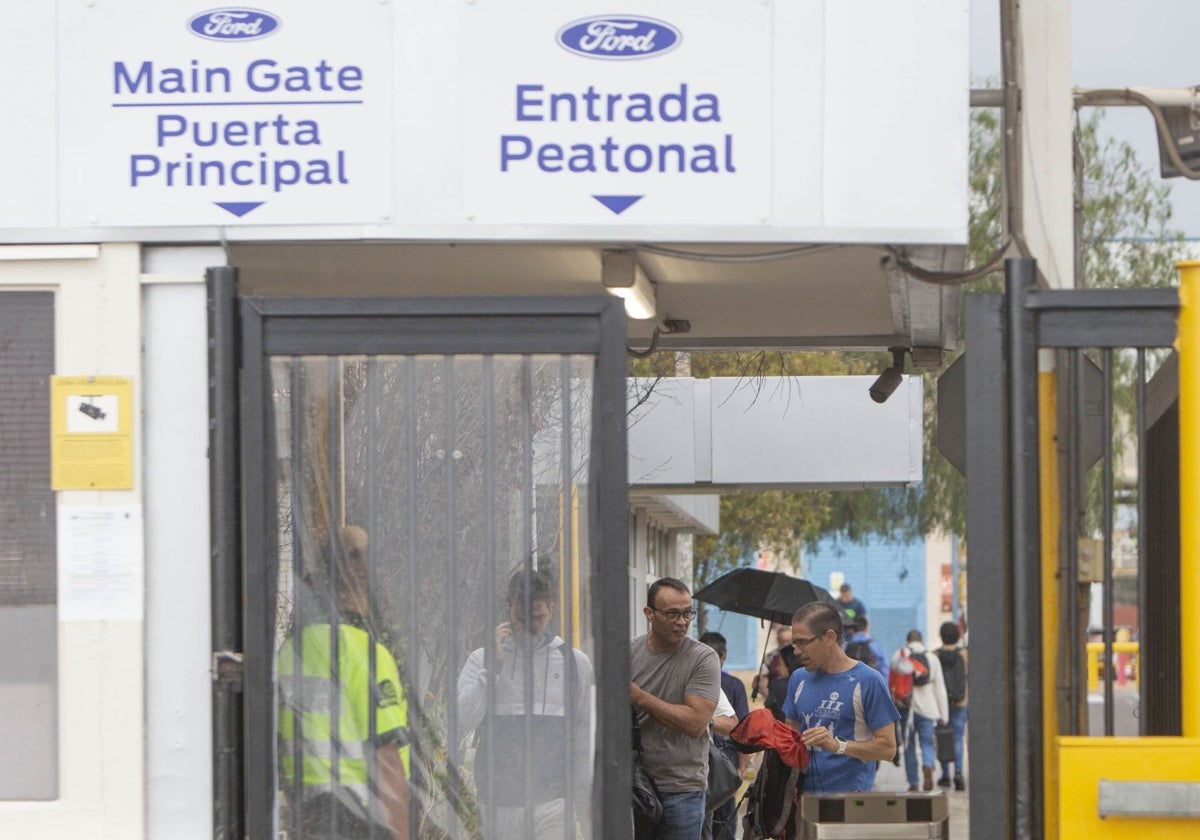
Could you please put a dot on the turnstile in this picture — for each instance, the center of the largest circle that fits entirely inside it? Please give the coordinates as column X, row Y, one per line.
column 867, row 816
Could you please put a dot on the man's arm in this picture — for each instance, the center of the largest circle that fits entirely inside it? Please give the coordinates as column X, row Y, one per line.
column 881, row 746
column 690, row 717
column 393, row 789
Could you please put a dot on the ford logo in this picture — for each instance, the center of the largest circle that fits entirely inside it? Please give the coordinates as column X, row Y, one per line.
column 619, row 37
column 236, row 24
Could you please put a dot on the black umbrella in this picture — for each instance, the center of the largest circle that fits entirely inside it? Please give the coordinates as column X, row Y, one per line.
column 773, row 596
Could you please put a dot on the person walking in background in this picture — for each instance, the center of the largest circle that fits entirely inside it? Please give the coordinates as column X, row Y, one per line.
column 853, row 608
column 927, row 707
column 840, row 706
column 674, row 685
column 724, row 818
column 860, row 640
column 515, row 734
column 779, row 670
column 953, row 658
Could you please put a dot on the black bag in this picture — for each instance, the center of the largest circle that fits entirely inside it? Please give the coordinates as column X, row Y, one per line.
column 647, row 807
column 773, row 801
column 921, row 669
column 954, row 670
column 861, row 650
column 723, row 778
column 943, row 734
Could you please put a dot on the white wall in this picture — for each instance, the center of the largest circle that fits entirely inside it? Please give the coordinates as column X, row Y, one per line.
column 100, row 662
column 178, row 627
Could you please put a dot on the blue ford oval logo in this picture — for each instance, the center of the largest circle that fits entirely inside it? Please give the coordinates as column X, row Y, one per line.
column 234, row 24
column 620, row 37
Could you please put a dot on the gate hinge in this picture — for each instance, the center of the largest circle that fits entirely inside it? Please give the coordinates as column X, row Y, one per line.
column 227, row 668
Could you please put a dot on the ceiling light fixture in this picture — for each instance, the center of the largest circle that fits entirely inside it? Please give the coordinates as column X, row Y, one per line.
column 623, row 276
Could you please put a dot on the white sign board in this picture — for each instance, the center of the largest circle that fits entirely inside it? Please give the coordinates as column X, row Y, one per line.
column 177, row 114
column 100, row 562
column 544, row 120
column 582, row 120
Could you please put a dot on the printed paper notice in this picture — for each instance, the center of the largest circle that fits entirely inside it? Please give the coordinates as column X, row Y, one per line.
column 100, row 569
column 92, row 433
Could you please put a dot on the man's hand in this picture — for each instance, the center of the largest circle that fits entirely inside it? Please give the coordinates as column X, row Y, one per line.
column 504, row 639
column 820, row 738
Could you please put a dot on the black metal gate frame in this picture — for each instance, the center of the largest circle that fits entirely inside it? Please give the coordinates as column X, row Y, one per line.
column 240, row 346
column 1005, row 333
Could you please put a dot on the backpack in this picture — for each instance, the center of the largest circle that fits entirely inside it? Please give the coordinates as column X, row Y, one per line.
column 773, row 800
column 955, row 672
column 908, row 670
column 920, row 668
column 861, row 650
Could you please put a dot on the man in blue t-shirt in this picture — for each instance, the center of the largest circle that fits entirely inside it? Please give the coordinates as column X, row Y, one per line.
column 840, row 706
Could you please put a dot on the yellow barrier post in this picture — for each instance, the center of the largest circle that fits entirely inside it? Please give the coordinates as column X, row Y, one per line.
column 1188, row 345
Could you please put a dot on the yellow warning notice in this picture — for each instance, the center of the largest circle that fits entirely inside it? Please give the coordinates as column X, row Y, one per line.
column 91, row 426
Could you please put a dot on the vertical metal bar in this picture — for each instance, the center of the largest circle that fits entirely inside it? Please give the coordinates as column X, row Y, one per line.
column 372, row 526
column 450, row 444
column 988, row 596
column 332, row 525
column 491, row 595
column 412, row 661
column 261, row 535
column 565, row 610
column 225, row 539
column 1025, row 533
column 1071, row 537
column 296, row 481
column 1143, row 466
column 608, row 507
column 1189, row 495
column 1107, row 502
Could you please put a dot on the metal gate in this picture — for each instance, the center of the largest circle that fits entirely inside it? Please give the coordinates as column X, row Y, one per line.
column 433, row 526
column 1072, row 714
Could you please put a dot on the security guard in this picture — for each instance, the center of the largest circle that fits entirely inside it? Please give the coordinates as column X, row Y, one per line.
column 346, row 717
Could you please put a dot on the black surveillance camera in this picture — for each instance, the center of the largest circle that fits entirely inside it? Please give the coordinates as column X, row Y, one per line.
column 886, row 384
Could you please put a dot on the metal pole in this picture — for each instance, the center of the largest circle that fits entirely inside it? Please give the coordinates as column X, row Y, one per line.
column 987, row 597
column 1188, row 342
column 1025, row 549
column 224, row 542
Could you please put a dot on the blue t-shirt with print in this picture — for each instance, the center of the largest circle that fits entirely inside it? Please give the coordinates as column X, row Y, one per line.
column 853, row 704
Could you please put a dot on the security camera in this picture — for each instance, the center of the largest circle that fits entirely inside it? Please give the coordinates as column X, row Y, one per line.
column 886, row 384
column 890, row 379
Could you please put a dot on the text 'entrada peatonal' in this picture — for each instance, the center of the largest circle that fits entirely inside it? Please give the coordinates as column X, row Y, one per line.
column 194, row 140
column 665, row 114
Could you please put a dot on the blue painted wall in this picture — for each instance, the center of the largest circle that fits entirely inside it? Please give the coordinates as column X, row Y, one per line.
column 887, row 576
column 741, row 637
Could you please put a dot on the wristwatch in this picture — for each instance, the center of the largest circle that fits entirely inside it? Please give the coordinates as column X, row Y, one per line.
column 841, row 750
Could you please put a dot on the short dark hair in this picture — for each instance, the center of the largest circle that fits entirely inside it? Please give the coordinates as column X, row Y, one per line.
column 914, row 635
column 670, row 583
column 534, row 584
column 845, row 587
column 862, row 622
column 821, row 617
column 949, row 633
column 715, row 641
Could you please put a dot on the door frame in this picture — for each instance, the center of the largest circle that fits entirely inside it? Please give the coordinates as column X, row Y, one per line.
column 290, row 326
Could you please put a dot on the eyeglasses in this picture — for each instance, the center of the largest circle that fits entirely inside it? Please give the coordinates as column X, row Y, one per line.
column 799, row 643
column 675, row 615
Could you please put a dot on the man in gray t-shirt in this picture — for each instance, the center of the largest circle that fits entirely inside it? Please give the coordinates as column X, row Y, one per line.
column 675, row 683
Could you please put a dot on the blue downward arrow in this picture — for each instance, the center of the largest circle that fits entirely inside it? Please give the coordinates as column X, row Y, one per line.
column 238, row 208
column 618, row 203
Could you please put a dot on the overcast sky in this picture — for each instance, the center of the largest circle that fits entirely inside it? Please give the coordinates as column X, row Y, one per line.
column 1119, row 43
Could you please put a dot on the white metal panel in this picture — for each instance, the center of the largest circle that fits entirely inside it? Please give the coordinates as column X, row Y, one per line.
column 178, row 603
column 837, row 124
column 803, row 431
column 29, row 138
column 816, row 430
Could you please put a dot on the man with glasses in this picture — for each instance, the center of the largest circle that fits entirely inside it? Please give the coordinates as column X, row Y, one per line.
column 840, row 706
column 675, row 683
